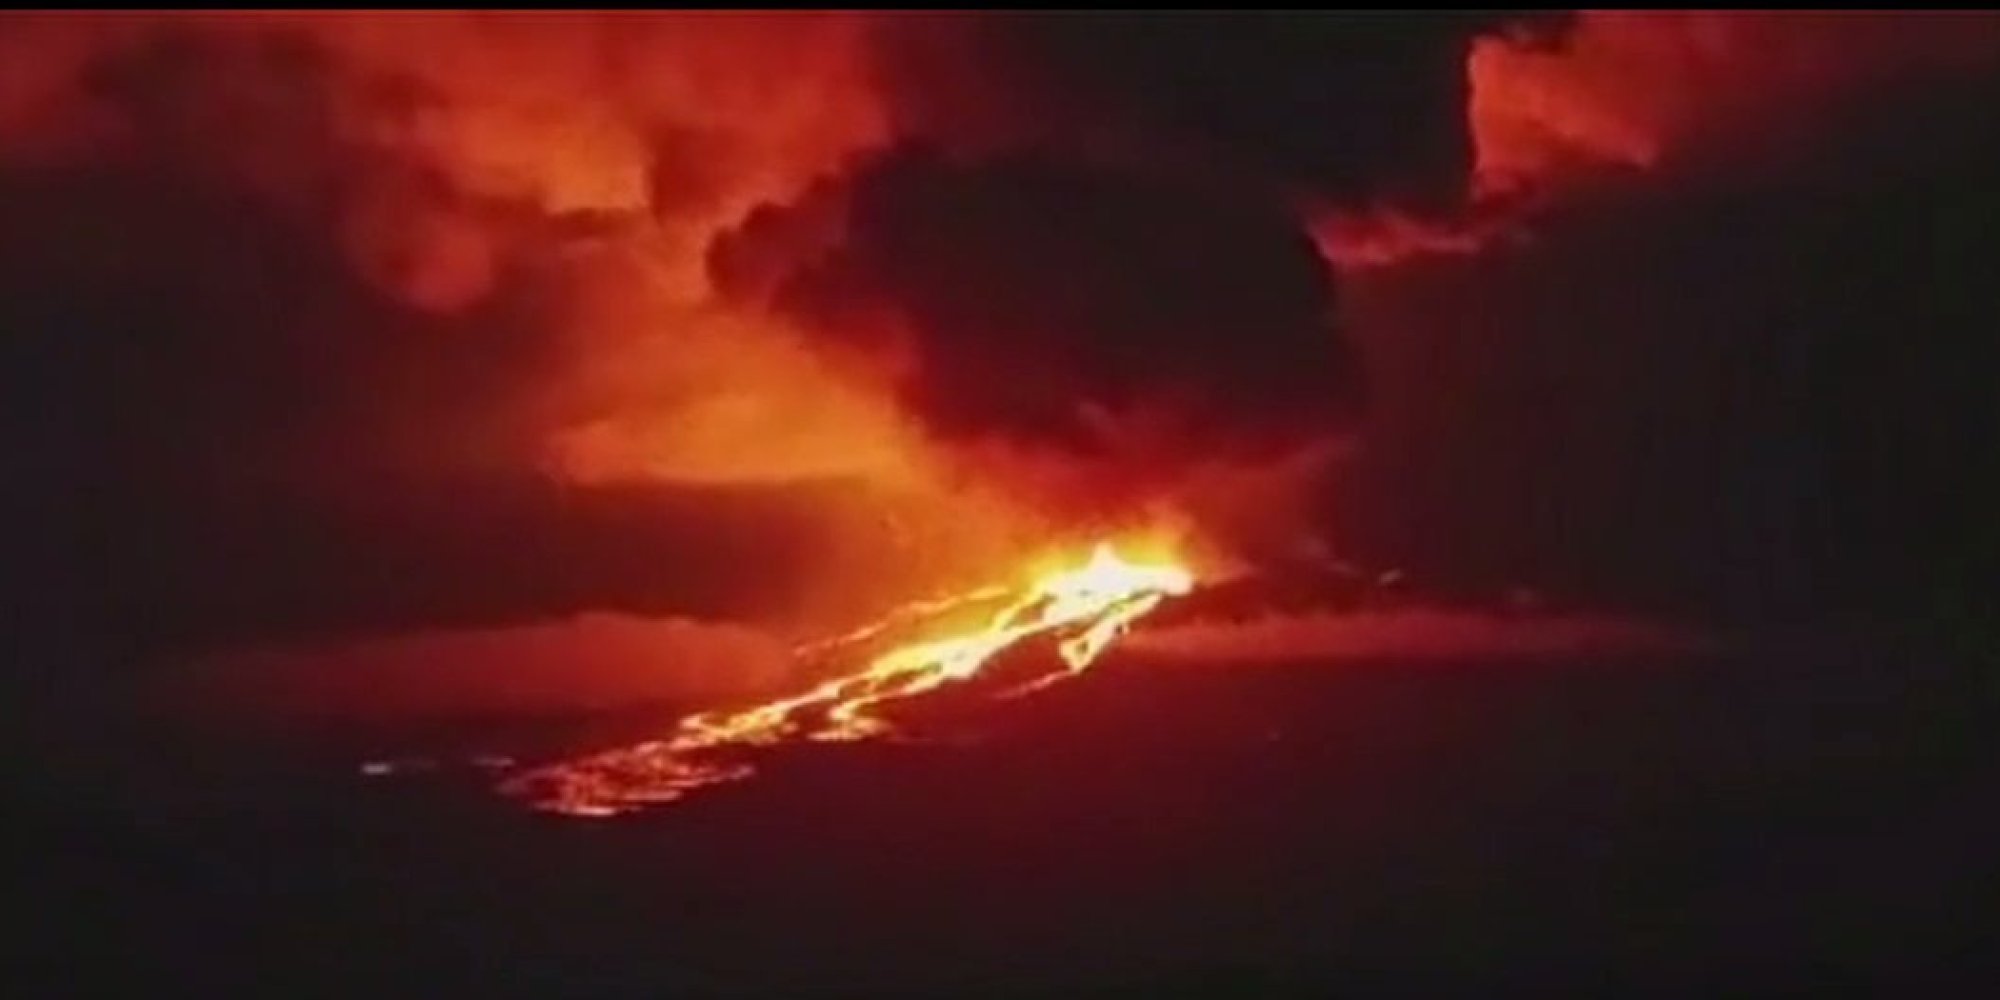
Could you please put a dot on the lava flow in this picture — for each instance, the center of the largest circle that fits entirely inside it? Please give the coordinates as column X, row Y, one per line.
column 1083, row 607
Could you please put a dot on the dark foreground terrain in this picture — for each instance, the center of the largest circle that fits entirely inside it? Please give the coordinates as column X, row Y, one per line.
column 1747, row 823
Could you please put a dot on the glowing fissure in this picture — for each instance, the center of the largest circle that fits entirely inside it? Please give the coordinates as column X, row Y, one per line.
column 1085, row 608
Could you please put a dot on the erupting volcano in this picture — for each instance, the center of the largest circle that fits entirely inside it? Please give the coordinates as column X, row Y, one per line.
column 1082, row 607
column 1529, row 464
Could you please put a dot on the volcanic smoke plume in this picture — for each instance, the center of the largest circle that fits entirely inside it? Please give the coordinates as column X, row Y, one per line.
column 1041, row 302
column 327, row 324
column 336, row 321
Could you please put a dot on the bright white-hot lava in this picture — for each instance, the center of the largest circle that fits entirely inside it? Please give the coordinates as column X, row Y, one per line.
column 1082, row 607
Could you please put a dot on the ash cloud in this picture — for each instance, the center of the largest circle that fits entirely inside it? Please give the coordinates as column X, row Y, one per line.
column 1089, row 238
column 1040, row 295
column 303, row 311
column 371, row 322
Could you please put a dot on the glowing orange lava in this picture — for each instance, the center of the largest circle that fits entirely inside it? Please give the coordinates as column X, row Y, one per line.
column 1083, row 607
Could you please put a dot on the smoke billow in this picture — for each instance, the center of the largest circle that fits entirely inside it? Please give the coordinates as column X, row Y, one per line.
column 1083, row 262
column 335, row 321
column 1038, row 300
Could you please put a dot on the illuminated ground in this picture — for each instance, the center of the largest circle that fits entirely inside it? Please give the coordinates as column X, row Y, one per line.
column 1191, row 830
